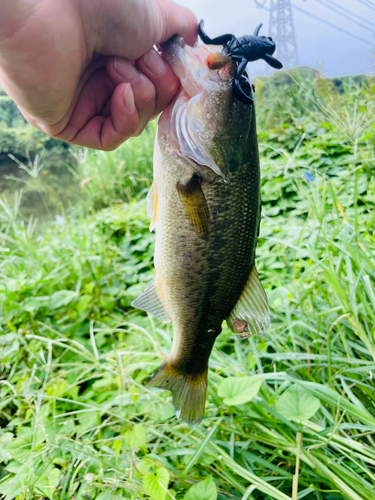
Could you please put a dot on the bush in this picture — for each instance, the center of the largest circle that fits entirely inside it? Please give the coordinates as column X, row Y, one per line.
column 292, row 410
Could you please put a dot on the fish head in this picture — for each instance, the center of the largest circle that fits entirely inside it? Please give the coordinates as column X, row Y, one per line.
column 206, row 123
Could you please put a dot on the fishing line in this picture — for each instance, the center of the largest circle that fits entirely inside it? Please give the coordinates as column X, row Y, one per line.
column 334, row 9
column 350, row 12
column 330, row 24
column 368, row 4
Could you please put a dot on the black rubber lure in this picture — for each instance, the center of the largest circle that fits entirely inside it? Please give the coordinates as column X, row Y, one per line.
column 243, row 50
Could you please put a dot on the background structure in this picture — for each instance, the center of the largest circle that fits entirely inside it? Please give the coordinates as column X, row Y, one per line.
column 336, row 35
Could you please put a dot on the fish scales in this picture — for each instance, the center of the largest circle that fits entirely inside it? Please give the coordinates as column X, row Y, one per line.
column 205, row 275
column 207, row 221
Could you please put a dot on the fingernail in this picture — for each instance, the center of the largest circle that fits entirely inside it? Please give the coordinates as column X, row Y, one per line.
column 154, row 62
column 125, row 69
column 128, row 97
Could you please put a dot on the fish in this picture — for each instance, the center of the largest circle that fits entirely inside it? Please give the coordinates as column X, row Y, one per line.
column 205, row 206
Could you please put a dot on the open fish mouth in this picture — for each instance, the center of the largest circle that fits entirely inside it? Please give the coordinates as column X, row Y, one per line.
column 195, row 65
column 192, row 120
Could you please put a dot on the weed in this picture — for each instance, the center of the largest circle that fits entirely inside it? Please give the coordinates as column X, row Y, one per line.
column 289, row 415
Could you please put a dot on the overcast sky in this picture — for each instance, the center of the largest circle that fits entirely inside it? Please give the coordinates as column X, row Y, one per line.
column 337, row 52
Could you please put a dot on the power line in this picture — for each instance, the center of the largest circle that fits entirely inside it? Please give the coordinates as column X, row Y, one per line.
column 334, row 9
column 368, row 4
column 351, row 13
column 331, row 25
column 260, row 4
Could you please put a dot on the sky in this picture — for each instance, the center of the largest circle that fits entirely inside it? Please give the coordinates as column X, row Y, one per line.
column 319, row 45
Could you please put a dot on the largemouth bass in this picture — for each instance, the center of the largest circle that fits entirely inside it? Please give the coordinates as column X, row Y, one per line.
column 205, row 205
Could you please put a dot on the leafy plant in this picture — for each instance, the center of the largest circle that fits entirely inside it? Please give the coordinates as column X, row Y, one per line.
column 239, row 390
column 204, row 490
column 289, row 414
column 156, row 484
column 297, row 404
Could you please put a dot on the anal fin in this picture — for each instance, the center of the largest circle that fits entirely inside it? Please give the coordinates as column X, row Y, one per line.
column 251, row 314
column 150, row 301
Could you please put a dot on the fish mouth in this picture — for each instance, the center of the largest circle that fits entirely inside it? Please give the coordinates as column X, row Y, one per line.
column 191, row 105
column 188, row 63
column 193, row 65
column 176, row 39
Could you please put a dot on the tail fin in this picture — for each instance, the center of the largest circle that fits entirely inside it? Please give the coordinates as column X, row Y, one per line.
column 188, row 390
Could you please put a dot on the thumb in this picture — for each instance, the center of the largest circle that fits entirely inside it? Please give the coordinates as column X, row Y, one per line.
column 130, row 28
column 177, row 20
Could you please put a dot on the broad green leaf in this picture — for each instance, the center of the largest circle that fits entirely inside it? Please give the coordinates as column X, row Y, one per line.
column 66, row 428
column 108, row 495
column 297, row 403
column 20, row 448
column 205, row 490
column 48, row 482
column 57, row 388
column 88, row 421
column 14, row 467
column 153, row 484
column 117, row 445
column 136, row 437
column 144, row 466
column 10, row 486
column 239, row 390
column 33, row 304
column 165, row 411
column 61, row 298
column 86, row 492
column 5, row 439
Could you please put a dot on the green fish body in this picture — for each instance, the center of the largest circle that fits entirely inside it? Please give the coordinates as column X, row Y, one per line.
column 205, row 205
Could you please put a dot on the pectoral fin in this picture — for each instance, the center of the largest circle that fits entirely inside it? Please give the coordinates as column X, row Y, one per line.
column 251, row 314
column 150, row 301
column 195, row 205
column 152, row 205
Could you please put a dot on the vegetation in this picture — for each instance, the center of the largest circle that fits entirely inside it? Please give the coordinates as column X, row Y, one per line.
column 289, row 415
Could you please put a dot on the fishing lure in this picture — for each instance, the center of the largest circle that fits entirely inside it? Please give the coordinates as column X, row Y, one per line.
column 243, row 50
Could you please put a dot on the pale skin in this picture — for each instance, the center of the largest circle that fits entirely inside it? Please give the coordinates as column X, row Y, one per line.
column 85, row 71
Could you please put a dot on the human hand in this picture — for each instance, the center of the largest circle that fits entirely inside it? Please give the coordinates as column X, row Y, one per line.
column 68, row 64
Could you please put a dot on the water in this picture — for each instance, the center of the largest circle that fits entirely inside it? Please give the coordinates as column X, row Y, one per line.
column 54, row 189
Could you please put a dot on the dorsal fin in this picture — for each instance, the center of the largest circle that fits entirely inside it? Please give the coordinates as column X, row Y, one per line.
column 152, row 206
column 150, row 301
column 251, row 314
column 195, row 205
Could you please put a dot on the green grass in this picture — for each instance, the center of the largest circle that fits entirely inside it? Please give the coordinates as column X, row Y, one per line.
column 76, row 420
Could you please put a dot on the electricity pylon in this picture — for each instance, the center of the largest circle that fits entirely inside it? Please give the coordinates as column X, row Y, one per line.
column 281, row 28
